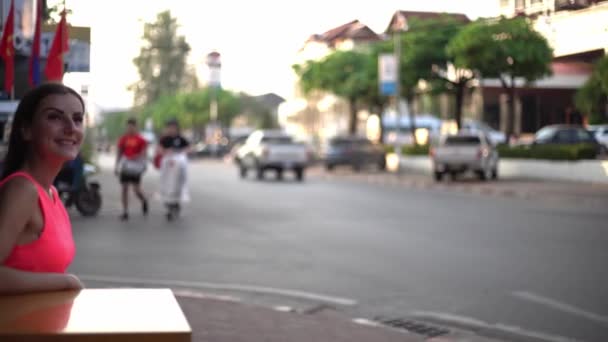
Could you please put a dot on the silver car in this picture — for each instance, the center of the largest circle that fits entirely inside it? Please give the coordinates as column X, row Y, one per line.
column 465, row 152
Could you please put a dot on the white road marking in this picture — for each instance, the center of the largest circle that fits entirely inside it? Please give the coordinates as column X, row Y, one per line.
column 200, row 295
column 457, row 320
column 554, row 304
column 223, row 287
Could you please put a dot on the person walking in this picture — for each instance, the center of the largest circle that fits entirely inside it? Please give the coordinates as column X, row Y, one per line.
column 131, row 163
column 36, row 242
column 172, row 149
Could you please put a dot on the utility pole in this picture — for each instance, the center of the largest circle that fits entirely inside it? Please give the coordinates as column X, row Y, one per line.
column 215, row 65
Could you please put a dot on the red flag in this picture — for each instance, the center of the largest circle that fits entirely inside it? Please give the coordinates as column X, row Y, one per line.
column 54, row 63
column 7, row 50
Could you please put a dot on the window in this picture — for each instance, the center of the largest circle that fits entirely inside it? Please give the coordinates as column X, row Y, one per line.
column 544, row 134
column 564, row 136
column 462, row 140
column 582, row 135
column 277, row 140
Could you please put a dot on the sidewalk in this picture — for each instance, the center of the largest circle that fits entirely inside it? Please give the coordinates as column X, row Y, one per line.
column 217, row 320
column 569, row 193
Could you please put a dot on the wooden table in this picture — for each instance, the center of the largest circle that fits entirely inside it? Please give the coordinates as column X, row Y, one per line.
column 92, row 315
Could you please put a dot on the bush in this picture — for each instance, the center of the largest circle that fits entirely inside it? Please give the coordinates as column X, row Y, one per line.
column 416, row 150
column 548, row 152
column 410, row 150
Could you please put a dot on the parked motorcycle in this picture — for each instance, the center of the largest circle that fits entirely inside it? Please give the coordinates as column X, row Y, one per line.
column 84, row 194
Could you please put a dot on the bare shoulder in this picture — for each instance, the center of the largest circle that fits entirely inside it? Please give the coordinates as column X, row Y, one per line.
column 18, row 192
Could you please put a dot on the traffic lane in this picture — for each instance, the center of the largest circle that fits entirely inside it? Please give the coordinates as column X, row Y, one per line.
column 565, row 227
column 357, row 245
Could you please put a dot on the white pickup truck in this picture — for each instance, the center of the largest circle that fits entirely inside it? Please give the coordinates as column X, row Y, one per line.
column 457, row 154
column 272, row 150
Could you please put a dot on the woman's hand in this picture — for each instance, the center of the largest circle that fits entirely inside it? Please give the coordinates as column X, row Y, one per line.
column 73, row 283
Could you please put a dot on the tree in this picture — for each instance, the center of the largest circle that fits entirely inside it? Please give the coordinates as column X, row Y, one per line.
column 192, row 109
column 113, row 124
column 343, row 73
column 592, row 97
column 162, row 61
column 505, row 49
column 426, row 57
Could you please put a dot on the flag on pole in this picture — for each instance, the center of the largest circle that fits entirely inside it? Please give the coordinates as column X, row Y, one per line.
column 7, row 50
column 54, row 64
column 34, row 72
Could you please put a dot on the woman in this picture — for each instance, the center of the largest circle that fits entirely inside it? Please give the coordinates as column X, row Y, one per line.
column 36, row 244
column 173, row 148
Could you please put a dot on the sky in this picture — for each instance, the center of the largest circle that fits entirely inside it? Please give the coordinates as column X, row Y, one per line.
column 257, row 39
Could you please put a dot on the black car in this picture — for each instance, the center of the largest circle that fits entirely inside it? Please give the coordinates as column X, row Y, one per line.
column 565, row 135
column 356, row 152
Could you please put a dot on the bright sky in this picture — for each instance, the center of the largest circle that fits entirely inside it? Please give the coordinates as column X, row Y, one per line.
column 257, row 39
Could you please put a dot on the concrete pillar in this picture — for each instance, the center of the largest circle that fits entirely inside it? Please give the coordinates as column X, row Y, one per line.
column 444, row 106
column 518, row 116
column 503, row 101
column 476, row 104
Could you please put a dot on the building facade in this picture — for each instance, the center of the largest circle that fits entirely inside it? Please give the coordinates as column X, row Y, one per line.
column 317, row 116
column 577, row 31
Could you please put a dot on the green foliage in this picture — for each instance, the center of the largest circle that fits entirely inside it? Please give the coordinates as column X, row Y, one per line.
column 343, row 73
column 426, row 57
column 113, row 124
column 162, row 62
column 87, row 150
column 505, row 49
column 588, row 99
column 409, row 150
column 389, row 149
column 192, row 109
column 416, row 150
column 548, row 152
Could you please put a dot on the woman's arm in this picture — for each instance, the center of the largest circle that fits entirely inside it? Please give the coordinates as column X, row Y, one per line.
column 15, row 281
column 18, row 203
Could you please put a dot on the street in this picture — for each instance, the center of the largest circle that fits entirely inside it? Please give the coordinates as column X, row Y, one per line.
column 524, row 267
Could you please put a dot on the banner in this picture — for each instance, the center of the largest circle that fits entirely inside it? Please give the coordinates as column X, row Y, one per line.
column 387, row 74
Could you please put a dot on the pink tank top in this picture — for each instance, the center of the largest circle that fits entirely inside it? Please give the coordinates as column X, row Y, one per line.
column 54, row 250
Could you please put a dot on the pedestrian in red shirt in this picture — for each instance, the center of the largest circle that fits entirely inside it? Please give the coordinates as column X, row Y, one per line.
column 131, row 162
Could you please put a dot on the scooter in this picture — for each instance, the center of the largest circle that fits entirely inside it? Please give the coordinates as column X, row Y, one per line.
column 85, row 195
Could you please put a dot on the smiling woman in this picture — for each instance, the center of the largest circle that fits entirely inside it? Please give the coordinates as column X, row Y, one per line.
column 36, row 244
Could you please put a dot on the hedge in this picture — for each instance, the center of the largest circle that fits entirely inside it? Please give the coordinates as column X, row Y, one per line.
column 548, row 152
column 410, row 150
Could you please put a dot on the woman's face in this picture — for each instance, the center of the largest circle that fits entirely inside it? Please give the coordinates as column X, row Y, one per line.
column 172, row 130
column 57, row 129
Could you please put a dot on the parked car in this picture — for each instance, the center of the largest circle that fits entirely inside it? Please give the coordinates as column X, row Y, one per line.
column 465, row 152
column 496, row 137
column 355, row 152
column 272, row 150
column 600, row 132
column 566, row 135
column 201, row 150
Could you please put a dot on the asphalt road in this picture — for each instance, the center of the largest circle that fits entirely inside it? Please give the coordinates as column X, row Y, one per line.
column 533, row 268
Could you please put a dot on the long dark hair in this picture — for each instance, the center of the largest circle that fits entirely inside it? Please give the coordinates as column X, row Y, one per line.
column 18, row 148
